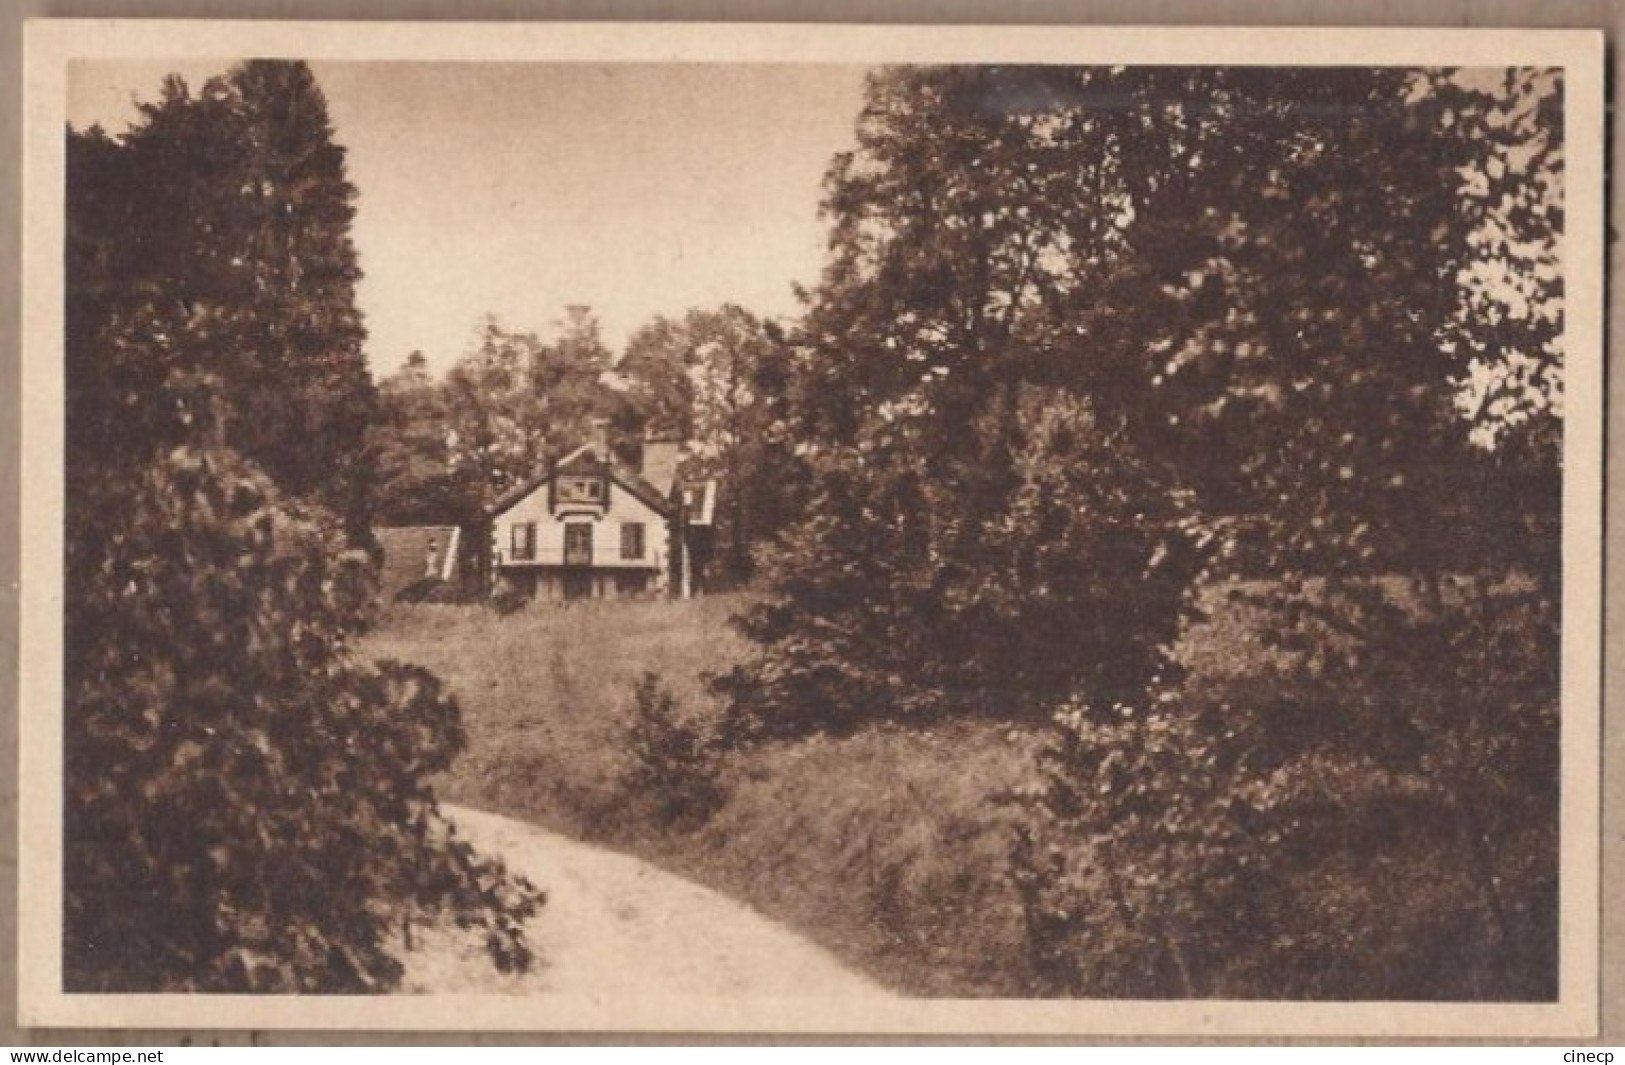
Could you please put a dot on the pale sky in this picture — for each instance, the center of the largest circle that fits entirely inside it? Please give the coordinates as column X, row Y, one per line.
column 519, row 189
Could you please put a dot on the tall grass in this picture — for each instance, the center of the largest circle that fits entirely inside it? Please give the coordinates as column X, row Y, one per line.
column 546, row 692
column 882, row 846
column 889, row 847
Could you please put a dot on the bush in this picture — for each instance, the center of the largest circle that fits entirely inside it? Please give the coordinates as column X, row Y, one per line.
column 508, row 600
column 1135, row 866
column 246, row 807
column 675, row 766
column 436, row 591
column 1369, row 813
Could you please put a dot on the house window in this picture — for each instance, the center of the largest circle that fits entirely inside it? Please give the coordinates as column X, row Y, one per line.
column 578, row 543
column 524, row 541
column 632, row 539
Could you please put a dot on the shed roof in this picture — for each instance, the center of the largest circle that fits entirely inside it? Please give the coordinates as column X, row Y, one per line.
column 406, row 550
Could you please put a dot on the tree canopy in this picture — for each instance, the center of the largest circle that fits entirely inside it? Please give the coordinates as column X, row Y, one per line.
column 222, row 220
column 1091, row 341
column 715, row 379
column 449, row 447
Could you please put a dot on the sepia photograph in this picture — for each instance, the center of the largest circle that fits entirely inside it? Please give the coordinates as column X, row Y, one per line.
column 784, row 529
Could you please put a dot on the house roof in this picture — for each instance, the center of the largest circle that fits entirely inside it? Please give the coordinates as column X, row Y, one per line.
column 585, row 459
column 584, row 456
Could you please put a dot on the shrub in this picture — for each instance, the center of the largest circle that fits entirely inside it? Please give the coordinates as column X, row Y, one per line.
column 1135, row 866
column 436, row 591
column 1370, row 814
column 246, row 807
column 675, row 766
column 508, row 600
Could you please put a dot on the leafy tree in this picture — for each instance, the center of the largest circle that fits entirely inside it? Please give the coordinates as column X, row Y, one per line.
column 658, row 364
column 1308, row 373
column 517, row 403
column 247, row 808
column 1295, row 363
column 717, row 378
column 1257, row 288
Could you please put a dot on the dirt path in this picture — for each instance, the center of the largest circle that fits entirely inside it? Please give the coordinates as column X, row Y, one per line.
column 617, row 925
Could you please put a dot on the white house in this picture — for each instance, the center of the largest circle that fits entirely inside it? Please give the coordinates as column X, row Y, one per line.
column 590, row 528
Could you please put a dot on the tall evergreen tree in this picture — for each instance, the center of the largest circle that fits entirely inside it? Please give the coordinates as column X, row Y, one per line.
column 224, row 218
column 246, row 807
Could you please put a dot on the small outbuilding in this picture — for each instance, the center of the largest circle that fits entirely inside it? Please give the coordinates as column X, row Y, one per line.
column 416, row 556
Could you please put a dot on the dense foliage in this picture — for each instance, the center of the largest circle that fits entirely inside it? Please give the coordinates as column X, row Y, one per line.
column 1323, row 403
column 1090, row 340
column 221, row 221
column 447, row 448
column 716, row 379
column 246, row 806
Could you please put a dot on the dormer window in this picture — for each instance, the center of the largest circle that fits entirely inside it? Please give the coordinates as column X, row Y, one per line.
column 580, row 488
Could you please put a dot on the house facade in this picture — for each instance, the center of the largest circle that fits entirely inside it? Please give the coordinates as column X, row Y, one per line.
column 591, row 528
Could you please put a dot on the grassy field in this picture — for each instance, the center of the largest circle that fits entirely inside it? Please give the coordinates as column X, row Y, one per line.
column 882, row 846
column 887, row 847
column 879, row 846
column 546, row 693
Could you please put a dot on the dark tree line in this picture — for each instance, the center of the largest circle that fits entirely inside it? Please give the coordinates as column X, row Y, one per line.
column 246, row 806
column 1091, row 341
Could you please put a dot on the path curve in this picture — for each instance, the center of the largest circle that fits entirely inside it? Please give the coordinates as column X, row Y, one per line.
column 614, row 924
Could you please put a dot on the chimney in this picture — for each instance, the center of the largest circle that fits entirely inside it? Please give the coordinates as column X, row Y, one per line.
column 662, row 448
column 598, row 437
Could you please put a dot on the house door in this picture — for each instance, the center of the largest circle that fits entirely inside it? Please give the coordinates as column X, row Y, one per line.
column 578, row 586
column 578, row 543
